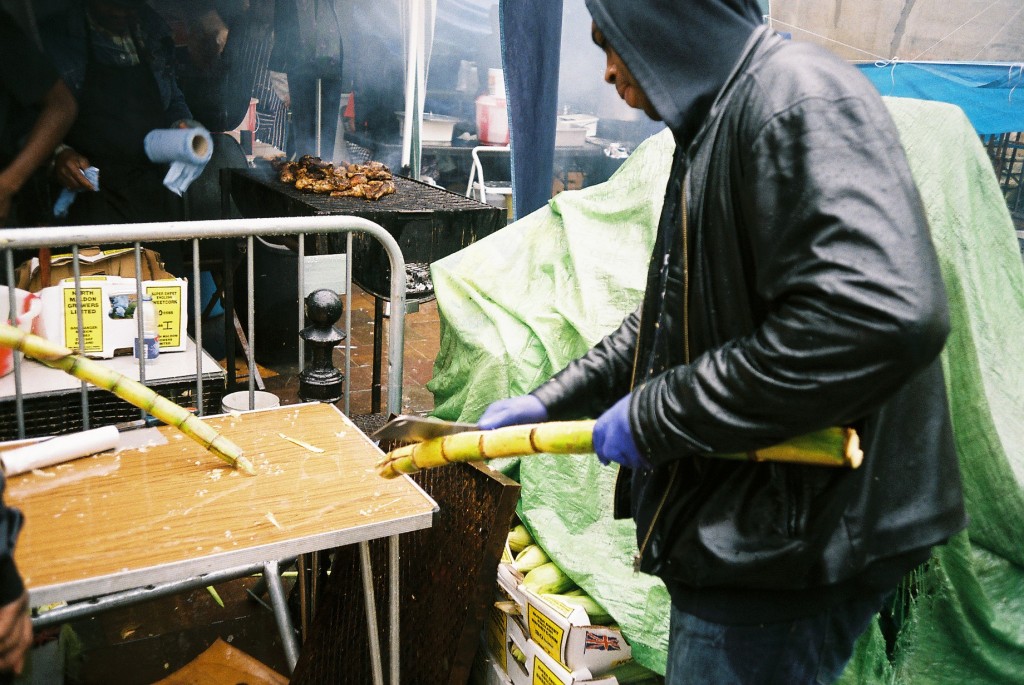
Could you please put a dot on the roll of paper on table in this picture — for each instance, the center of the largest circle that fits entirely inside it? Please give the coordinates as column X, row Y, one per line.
column 58, row 450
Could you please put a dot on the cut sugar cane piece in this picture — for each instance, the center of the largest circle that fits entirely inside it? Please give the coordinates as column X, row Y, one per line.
column 836, row 447
column 827, row 447
column 303, row 445
column 129, row 390
column 553, row 437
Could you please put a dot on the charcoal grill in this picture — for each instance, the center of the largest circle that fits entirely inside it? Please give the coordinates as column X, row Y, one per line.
column 428, row 223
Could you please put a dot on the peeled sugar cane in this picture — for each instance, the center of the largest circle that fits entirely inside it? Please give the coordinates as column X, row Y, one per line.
column 827, row 447
column 129, row 390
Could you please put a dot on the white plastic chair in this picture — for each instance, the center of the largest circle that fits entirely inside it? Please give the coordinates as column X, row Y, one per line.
column 477, row 185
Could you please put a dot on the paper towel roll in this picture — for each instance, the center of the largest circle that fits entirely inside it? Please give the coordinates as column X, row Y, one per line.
column 187, row 149
column 189, row 145
column 58, row 450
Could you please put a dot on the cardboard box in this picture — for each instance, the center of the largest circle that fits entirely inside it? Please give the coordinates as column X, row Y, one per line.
column 546, row 671
column 108, row 313
column 509, row 583
column 487, row 671
column 504, row 630
column 564, row 633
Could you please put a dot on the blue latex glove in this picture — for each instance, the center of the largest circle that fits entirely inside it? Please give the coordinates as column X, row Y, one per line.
column 513, row 411
column 613, row 438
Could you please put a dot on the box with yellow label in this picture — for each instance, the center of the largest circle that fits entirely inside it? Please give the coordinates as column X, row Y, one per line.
column 510, row 583
column 109, row 304
column 506, row 641
column 546, row 671
column 564, row 633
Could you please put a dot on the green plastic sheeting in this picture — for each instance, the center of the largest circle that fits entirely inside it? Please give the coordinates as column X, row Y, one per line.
column 518, row 305
column 962, row 616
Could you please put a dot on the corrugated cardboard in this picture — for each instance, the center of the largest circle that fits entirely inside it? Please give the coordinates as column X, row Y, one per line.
column 564, row 633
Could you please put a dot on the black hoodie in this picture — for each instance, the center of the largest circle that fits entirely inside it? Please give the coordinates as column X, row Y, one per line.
column 801, row 291
column 681, row 72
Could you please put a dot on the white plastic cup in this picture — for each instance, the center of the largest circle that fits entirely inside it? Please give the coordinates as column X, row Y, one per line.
column 239, row 401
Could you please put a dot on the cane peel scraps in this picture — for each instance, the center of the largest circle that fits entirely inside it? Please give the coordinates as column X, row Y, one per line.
column 304, row 445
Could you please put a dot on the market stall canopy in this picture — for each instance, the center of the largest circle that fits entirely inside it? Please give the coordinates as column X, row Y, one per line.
column 911, row 30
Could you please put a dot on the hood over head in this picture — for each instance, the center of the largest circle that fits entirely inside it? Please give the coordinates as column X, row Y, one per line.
column 679, row 51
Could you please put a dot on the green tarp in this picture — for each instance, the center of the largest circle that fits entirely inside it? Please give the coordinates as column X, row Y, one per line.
column 518, row 305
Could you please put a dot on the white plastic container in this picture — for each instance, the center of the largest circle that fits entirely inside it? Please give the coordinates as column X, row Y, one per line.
column 437, row 128
column 570, row 135
column 496, row 83
column 587, row 121
column 239, row 401
column 150, row 347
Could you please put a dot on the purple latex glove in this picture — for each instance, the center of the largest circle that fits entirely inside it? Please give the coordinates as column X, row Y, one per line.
column 513, row 411
column 613, row 438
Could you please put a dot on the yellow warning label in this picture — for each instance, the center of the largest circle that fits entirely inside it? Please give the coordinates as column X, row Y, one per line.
column 560, row 608
column 168, row 301
column 542, row 675
column 92, row 320
column 545, row 632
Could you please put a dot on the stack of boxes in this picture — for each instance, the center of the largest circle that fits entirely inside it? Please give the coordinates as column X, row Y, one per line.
column 535, row 640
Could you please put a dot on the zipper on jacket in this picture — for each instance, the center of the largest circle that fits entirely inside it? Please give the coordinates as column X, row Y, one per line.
column 638, row 558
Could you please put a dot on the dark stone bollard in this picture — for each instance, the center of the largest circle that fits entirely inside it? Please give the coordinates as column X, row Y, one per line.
column 319, row 381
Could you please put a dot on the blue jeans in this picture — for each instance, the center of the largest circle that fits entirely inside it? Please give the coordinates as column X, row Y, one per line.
column 811, row 651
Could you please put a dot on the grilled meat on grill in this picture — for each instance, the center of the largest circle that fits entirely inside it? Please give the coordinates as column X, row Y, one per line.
column 371, row 181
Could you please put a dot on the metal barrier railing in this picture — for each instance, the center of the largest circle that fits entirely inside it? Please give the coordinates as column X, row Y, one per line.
column 1006, row 151
column 18, row 239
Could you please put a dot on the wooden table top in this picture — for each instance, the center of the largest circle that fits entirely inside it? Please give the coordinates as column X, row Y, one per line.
column 154, row 514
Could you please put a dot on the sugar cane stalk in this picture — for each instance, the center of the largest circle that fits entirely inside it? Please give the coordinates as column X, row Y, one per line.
column 837, row 447
column 127, row 389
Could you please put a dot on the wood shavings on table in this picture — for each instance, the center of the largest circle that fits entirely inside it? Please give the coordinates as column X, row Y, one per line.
column 304, row 445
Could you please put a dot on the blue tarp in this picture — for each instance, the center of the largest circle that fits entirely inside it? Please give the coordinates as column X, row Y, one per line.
column 991, row 95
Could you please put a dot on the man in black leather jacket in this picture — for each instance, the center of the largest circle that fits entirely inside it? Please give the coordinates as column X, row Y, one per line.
column 793, row 287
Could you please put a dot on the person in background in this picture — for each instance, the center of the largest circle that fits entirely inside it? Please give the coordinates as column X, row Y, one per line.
column 36, row 110
column 29, row 87
column 793, row 287
column 307, row 49
column 117, row 56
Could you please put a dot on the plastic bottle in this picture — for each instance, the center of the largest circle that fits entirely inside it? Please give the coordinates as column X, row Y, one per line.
column 150, row 337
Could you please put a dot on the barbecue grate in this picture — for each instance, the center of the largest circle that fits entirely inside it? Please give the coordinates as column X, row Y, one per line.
column 428, row 223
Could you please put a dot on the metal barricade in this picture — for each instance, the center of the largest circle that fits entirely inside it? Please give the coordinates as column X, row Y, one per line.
column 23, row 239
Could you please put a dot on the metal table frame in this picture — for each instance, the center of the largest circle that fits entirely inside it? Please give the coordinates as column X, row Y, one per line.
column 194, row 231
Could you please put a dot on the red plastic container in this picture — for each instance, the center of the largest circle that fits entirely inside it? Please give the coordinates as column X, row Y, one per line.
column 492, row 120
